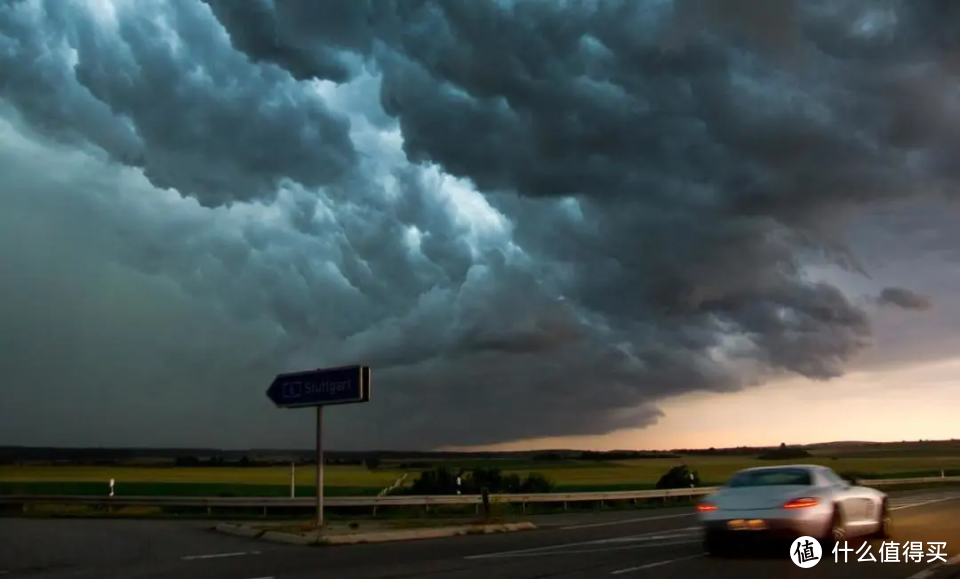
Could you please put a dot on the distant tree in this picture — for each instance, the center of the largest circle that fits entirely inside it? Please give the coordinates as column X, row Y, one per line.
column 437, row 481
column 511, row 483
column 443, row 481
column 486, row 478
column 536, row 483
column 679, row 477
column 186, row 461
column 784, row 453
column 372, row 463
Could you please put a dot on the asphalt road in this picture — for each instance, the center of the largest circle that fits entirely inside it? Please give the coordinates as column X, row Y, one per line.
column 659, row 543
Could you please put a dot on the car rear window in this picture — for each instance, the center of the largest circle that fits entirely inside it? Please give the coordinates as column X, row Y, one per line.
column 772, row 477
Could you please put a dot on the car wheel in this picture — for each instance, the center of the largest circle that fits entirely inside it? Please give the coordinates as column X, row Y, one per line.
column 885, row 522
column 836, row 532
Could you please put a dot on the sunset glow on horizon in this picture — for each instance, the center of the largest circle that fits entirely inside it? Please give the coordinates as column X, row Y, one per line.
column 906, row 404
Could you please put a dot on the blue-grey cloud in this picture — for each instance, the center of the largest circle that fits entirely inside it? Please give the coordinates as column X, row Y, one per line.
column 655, row 180
column 903, row 298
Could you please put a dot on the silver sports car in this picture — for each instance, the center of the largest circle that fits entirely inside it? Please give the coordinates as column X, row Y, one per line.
column 791, row 501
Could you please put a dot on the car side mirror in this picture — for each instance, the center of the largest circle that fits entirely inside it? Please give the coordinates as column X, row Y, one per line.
column 853, row 481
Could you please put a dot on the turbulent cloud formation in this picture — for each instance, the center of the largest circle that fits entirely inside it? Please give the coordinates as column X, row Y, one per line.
column 903, row 298
column 543, row 216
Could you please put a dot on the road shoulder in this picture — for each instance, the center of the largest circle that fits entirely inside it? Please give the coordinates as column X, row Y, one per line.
column 338, row 536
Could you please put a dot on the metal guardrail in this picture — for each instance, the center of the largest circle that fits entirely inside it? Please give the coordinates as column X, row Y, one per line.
column 906, row 481
column 266, row 503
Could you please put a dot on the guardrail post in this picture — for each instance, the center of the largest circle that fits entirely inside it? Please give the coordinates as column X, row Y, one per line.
column 564, row 506
column 523, row 507
column 601, row 504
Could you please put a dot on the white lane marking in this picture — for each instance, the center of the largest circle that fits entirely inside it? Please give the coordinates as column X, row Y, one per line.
column 913, row 500
column 633, row 539
column 584, row 551
column 933, row 568
column 654, row 536
column 219, row 555
column 660, row 536
column 657, row 564
column 930, row 502
column 626, row 521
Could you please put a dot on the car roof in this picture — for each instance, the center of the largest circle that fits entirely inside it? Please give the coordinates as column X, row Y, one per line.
column 783, row 466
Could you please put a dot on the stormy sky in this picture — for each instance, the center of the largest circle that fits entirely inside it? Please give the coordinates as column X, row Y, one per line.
column 531, row 219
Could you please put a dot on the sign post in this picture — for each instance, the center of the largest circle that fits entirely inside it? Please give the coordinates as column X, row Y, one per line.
column 319, row 388
column 319, row 467
column 293, row 479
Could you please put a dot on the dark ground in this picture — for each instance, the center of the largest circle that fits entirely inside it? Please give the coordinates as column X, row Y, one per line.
column 662, row 543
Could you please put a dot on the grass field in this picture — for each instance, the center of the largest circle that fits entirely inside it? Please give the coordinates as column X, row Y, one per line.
column 334, row 475
column 204, row 481
column 339, row 480
column 716, row 470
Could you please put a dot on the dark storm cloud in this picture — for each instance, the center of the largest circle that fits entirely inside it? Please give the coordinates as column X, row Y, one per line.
column 158, row 86
column 664, row 176
column 903, row 298
column 308, row 39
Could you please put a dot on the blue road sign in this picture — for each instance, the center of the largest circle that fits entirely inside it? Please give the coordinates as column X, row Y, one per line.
column 322, row 387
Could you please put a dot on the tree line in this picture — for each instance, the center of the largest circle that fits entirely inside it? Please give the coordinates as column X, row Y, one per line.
column 443, row 481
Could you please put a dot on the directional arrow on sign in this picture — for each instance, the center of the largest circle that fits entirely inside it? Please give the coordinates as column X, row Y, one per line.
column 321, row 387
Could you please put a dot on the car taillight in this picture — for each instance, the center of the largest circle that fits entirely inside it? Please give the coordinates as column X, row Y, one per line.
column 801, row 503
column 703, row 507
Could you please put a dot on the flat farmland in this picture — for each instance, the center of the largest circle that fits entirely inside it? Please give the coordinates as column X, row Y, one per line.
column 913, row 450
column 334, row 475
column 720, row 469
column 340, row 480
column 644, row 473
column 191, row 481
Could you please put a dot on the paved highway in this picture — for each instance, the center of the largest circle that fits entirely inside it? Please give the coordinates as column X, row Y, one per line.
column 630, row 545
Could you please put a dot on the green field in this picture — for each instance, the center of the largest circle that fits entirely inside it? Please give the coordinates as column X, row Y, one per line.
column 567, row 475
column 201, row 481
